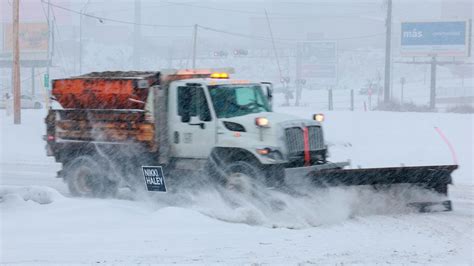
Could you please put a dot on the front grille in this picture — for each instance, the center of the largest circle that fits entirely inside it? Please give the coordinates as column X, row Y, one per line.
column 295, row 139
column 316, row 141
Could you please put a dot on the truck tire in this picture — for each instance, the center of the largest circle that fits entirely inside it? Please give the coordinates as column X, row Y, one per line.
column 88, row 176
column 242, row 176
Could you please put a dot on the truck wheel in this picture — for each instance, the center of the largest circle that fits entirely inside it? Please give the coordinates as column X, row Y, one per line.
column 242, row 176
column 86, row 176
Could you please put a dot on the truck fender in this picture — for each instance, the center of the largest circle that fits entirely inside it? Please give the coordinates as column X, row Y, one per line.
column 222, row 157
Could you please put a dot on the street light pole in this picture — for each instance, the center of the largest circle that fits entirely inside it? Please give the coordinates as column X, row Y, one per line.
column 137, row 35
column 48, row 50
column 195, row 45
column 80, row 36
column 80, row 44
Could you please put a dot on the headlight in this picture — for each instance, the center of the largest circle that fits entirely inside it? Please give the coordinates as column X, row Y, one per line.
column 262, row 122
column 318, row 117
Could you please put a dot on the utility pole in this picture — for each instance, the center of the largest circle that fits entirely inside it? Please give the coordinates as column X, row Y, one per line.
column 388, row 47
column 16, row 63
column 469, row 48
column 48, row 48
column 195, row 45
column 137, row 35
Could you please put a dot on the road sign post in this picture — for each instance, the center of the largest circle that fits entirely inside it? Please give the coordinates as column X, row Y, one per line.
column 402, row 83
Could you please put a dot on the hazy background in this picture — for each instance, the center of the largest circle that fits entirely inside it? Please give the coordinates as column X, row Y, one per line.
column 164, row 40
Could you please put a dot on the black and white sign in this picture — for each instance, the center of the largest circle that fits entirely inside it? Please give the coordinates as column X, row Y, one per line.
column 317, row 61
column 154, row 178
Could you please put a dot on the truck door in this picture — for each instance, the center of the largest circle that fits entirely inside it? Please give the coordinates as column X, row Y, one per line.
column 192, row 131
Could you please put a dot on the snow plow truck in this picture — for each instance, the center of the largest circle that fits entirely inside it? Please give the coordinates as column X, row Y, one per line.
column 112, row 123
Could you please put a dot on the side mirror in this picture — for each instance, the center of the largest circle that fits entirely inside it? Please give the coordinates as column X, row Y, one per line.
column 268, row 91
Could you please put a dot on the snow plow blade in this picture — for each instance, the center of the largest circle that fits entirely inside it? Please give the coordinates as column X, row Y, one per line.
column 434, row 178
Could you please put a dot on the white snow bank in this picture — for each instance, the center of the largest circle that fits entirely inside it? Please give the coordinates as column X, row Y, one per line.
column 90, row 231
column 37, row 194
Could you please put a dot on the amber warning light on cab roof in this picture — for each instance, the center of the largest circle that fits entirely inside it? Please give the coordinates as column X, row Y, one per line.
column 216, row 73
column 222, row 75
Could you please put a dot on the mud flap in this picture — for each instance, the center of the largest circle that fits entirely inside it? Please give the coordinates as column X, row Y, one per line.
column 443, row 206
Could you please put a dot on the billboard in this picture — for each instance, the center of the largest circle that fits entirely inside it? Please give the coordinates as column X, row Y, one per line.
column 317, row 61
column 33, row 37
column 447, row 38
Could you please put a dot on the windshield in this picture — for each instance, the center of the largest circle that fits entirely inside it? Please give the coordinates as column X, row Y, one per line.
column 237, row 100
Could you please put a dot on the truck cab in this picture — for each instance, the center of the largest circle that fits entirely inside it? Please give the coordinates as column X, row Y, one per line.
column 221, row 115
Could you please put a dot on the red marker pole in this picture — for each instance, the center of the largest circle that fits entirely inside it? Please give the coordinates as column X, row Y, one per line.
column 451, row 148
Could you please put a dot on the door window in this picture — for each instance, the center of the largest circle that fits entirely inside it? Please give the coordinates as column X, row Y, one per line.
column 192, row 102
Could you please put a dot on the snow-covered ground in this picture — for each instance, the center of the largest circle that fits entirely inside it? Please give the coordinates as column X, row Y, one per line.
column 42, row 224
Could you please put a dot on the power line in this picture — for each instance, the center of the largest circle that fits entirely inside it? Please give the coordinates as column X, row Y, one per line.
column 85, row 5
column 120, row 9
column 235, row 33
column 25, row 79
column 286, row 40
column 59, row 49
column 282, row 15
column 102, row 19
column 213, row 8
column 359, row 37
column 243, row 35
column 60, row 52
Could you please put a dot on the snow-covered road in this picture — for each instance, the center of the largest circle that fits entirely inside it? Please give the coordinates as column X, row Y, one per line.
column 42, row 224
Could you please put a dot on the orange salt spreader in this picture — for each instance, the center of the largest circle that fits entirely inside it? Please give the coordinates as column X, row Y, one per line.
column 105, row 90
